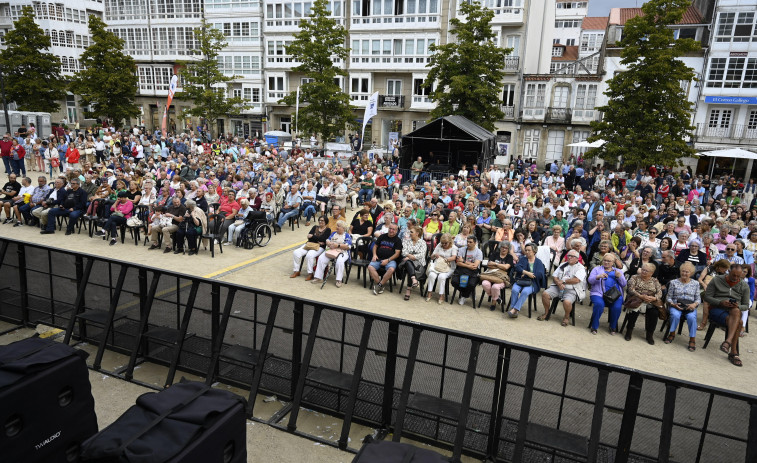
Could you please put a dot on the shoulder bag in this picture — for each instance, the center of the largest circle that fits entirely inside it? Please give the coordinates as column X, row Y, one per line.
column 610, row 295
column 312, row 246
column 441, row 265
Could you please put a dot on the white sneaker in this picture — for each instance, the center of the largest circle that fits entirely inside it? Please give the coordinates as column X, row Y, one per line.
column 461, row 301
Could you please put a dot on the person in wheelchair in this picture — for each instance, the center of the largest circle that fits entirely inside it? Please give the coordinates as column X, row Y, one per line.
column 255, row 230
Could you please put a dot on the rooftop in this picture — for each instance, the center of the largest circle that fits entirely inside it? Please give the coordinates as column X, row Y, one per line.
column 594, row 23
column 569, row 54
column 619, row 16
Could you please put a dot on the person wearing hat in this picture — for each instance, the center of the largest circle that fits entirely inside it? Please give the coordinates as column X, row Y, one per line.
column 121, row 211
column 568, row 285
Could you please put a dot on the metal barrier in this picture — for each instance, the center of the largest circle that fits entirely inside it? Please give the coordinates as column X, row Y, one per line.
column 477, row 396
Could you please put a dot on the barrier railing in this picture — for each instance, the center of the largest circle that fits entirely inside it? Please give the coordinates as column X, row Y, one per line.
column 473, row 395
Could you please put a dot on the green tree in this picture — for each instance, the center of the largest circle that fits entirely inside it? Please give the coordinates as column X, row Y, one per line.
column 466, row 73
column 324, row 107
column 203, row 83
column 108, row 79
column 32, row 77
column 647, row 118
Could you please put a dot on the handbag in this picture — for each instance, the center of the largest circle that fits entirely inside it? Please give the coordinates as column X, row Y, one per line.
column 333, row 253
column 495, row 276
column 134, row 222
column 89, row 151
column 55, row 162
column 441, row 265
column 312, row 246
column 523, row 282
column 610, row 295
column 117, row 214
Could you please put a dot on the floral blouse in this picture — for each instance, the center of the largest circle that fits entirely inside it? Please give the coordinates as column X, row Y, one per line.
column 417, row 249
column 637, row 286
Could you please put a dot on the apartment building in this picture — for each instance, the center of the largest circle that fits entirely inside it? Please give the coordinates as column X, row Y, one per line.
column 569, row 15
column 693, row 25
column 66, row 25
column 726, row 111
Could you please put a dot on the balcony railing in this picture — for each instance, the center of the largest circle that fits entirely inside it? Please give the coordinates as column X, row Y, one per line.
column 558, row 115
column 391, row 101
column 512, row 63
column 508, row 110
column 389, row 21
column 732, row 133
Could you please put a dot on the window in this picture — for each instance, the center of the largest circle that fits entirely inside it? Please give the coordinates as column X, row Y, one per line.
column 591, row 42
column 736, row 27
column 560, row 97
column 570, row 42
column 579, row 136
column 256, row 95
column 557, row 51
column 394, row 87
column 534, row 101
column 719, row 123
column 421, row 94
column 276, row 87
column 531, row 143
column 586, row 97
column 555, row 143
column 570, row 23
column 751, row 125
column 732, row 73
column 359, row 88
column 306, row 80
column 508, row 95
column 513, row 41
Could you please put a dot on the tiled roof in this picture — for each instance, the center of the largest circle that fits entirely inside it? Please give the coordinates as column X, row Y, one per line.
column 594, row 23
column 620, row 16
column 569, row 54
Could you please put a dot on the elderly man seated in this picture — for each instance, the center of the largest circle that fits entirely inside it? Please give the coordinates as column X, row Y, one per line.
column 728, row 296
column 568, row 285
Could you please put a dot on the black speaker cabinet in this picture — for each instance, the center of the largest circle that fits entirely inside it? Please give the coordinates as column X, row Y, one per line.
column 188, row 422
column 396, row 452
column 46, row 405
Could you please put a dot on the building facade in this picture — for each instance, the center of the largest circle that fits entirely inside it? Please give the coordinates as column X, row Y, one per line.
column 66, row 25
column 726, row 111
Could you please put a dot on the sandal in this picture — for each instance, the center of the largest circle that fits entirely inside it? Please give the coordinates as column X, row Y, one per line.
column 702, row 326
column 541, row 318
column 512, row 313
column 416, row 284
column 725, row 347
column 669, row 338
column 594, row 332
column 692, row 346
column 734, row 358
column 565, row 322
column 407, row 296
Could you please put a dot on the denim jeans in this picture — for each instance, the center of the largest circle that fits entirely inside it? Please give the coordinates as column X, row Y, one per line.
column 286, row 215
column 520, row 295
column 365, row 195
column 598, row 304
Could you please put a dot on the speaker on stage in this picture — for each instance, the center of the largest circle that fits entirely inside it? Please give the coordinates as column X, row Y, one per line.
column 46, row 405
column 379, row 451
column 188, row 422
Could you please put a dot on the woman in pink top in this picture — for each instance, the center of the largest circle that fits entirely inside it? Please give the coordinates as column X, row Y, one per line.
column 121, row 212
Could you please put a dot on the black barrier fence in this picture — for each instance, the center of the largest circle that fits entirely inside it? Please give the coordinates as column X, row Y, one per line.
column 477, row 396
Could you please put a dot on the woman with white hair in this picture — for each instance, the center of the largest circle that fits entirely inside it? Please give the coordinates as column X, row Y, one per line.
column 338, row 250
column 149, row 194
column 235, row 229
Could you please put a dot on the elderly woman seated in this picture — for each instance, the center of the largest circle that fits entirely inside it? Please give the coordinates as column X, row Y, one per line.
column 195, row 225
column 602, row 279
column 495, row 277
column 683, row 299
column 643, row 295
column 236, row 227
column 338, row 251
column 441, row 266
column 312, row 249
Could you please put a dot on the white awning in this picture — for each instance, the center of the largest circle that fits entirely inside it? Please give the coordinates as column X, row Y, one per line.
column 736, row 153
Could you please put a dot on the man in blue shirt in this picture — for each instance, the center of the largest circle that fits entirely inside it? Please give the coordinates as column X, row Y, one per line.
column 291, row 206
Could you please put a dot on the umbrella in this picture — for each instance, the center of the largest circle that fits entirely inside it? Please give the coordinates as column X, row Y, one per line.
column 737, row 153
column 277, row 133
column 586, row 144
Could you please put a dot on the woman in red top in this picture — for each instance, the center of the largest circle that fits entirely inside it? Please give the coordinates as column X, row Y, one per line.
column 228, row 209
column 72, row 156
column 17, row 158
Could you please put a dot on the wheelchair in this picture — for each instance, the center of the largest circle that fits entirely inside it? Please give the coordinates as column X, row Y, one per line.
column 256, row 232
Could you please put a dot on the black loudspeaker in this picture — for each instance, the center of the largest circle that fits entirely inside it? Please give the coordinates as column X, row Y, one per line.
column 396, row 452
column 46, row 405
column 188, row 422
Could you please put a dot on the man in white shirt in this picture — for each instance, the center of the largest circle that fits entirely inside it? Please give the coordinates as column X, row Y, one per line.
column 568, row 285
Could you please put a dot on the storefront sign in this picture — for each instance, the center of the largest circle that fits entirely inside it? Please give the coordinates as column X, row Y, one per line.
column 731, row 99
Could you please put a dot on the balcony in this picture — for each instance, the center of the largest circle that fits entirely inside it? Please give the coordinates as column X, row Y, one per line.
column 391, row 101
column 507, row 16
column 735, row 134
column 392, row 22
column 509, row 112
column 512, row 63
column 558, row 116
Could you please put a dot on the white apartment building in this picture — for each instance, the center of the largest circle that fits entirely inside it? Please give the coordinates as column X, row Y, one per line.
column 65, row 22
column 569, row 15
column 726, row 112
column 692, row 25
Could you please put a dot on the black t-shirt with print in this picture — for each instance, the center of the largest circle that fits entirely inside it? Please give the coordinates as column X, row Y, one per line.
column 11, row 189
column 386, row 246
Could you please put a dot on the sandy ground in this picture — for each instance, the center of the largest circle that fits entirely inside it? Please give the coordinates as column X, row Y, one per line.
column 269, row 268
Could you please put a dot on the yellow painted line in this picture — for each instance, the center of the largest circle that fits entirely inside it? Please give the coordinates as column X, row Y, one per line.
column 50, row 333
column 253, row 260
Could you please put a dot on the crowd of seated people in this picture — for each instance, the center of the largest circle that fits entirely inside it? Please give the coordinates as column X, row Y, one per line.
column 570, row 232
